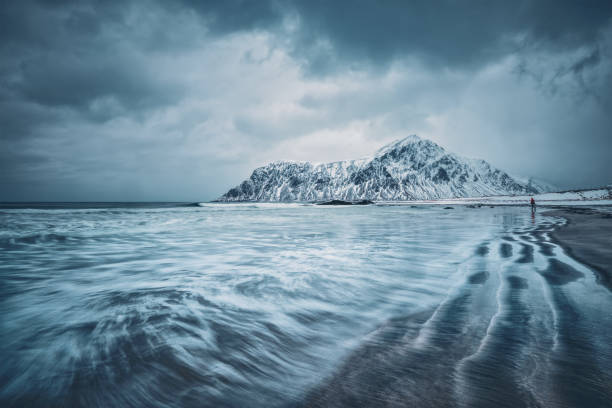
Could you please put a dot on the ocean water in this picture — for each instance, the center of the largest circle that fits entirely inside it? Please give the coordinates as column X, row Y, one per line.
column 274, row 305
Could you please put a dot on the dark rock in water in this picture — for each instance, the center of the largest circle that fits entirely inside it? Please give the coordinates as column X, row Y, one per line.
column 336, row 202
column 448, row 208
column 342, row 202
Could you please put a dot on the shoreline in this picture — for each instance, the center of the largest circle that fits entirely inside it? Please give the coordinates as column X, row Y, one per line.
column 475, row 348
column 587, row 237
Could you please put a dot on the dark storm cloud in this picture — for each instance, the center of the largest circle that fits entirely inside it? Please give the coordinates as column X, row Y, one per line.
column 448, row 33
column 226, row 16
column 74, row 53
column 76, row 82
column 61, row 64
column 77, row 79
column 459, row 34
column 61, row 57
column 69, row 40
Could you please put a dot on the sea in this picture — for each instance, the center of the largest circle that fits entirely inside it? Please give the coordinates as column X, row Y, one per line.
column 287, row 305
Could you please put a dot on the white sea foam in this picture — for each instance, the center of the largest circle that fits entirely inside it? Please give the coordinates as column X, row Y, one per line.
column 245, row 303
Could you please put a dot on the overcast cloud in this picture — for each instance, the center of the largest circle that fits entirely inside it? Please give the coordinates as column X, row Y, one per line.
column 179, row 101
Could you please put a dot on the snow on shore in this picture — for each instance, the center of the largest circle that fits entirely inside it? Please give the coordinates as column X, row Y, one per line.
column 600, row 196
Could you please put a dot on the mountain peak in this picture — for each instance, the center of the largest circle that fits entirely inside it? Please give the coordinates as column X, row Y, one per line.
column 402, row 142
column 410, row 168
column 406, row 141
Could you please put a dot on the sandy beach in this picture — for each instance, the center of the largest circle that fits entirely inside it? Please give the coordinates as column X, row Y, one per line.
column 587, row 237
column 521, row 331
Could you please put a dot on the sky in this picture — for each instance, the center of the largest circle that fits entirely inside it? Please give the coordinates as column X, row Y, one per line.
column 179, row 101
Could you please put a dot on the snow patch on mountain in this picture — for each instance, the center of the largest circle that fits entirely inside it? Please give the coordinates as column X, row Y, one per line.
column 407, row 169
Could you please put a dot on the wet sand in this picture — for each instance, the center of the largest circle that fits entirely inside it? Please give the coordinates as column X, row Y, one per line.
column 525, row 329
column 587, row 237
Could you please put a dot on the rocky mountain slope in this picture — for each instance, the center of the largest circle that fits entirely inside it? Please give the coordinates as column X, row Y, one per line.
column 408, row 169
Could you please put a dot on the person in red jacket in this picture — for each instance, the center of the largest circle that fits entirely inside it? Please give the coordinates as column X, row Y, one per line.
column 533, row 206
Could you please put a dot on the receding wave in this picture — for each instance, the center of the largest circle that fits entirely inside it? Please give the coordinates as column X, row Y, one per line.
column 275, row 305
column 522, row 336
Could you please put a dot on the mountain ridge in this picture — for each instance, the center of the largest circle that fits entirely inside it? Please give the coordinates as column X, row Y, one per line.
column 410, row 168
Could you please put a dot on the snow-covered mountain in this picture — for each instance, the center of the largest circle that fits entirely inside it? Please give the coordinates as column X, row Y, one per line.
column 407, row 169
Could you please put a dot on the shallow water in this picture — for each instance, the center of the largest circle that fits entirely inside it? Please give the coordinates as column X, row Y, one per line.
column 284, row 305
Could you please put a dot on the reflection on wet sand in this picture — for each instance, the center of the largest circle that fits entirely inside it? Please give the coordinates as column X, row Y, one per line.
column 525, row 329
